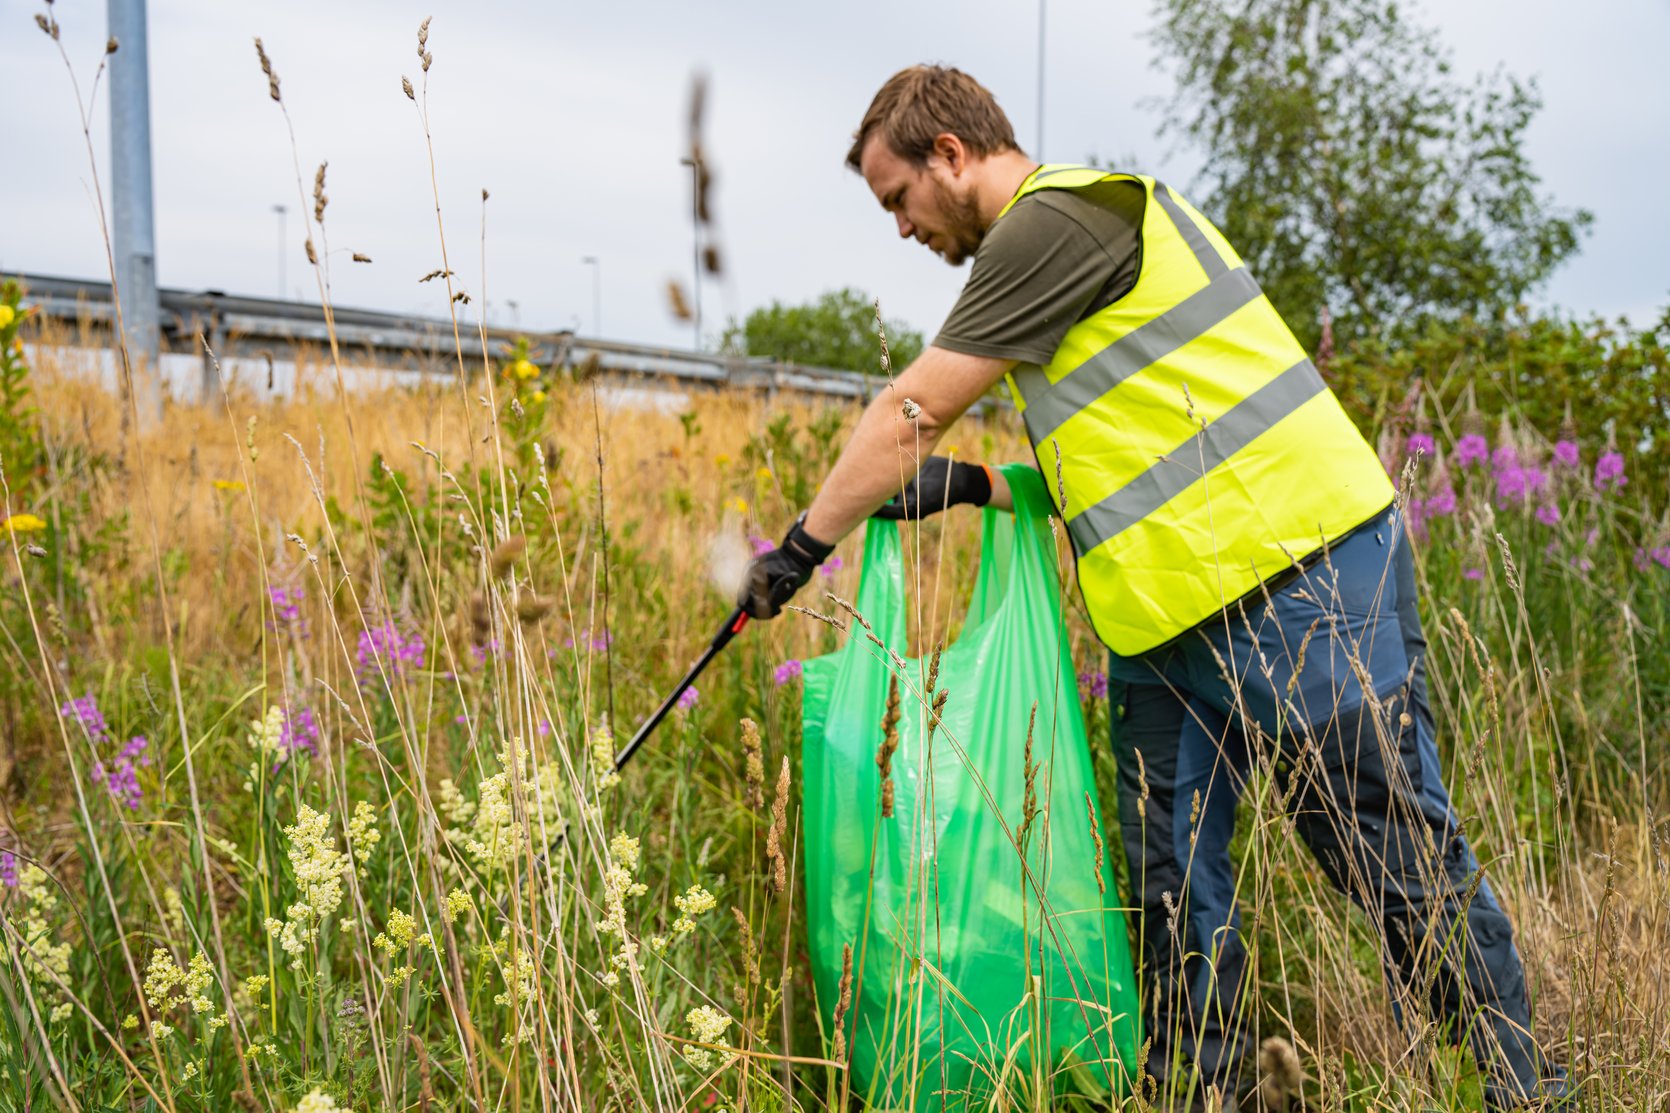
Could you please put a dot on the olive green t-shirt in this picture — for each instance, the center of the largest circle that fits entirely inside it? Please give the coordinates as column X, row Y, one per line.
column 1053, row 259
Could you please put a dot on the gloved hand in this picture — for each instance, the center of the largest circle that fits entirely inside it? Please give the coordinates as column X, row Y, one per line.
column 942, row 482
column 772, row 578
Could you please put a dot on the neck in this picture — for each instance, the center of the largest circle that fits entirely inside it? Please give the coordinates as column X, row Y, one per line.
column 1002, row 176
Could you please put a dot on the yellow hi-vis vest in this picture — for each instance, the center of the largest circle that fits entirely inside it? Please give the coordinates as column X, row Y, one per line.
column 1199, row 450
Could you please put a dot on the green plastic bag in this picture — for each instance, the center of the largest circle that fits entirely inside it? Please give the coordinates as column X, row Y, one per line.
column 971, row 974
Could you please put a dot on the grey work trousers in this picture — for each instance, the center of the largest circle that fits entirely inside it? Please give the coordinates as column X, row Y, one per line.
column 1282, row 678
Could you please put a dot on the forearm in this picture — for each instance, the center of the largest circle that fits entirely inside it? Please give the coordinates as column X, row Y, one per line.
column 883, row 455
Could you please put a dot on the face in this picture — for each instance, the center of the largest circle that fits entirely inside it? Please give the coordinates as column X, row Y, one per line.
column 932, row 204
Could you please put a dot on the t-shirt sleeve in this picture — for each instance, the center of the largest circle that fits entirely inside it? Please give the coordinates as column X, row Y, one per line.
column 1038, row 270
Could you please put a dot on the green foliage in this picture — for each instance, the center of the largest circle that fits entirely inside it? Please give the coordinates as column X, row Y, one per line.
column 838, row 330
column 1353, row 170
column 795, row 457
column 21, row 454
column 1606, row 380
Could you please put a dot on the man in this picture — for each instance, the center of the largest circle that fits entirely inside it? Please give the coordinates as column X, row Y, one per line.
column 1237, row 550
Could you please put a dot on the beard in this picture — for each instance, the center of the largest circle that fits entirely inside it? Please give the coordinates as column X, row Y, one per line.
column 963, row 227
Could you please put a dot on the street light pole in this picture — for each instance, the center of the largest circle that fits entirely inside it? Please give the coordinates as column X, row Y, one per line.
column 695, row 241
column 282, row 214
column 596, row 266
column 1039, row 153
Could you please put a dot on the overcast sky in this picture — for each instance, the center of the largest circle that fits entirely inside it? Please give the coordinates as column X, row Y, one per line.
column 573, row 116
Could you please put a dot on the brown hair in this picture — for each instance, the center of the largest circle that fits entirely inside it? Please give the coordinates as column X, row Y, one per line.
column 922, row 102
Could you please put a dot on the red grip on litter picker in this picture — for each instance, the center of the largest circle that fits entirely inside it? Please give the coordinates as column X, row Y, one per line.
column 741, row 621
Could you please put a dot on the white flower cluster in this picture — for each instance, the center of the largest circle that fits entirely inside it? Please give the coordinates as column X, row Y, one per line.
column 318, row 867
column 495, row 836
column 454, row 806
column 168, row 987
column 317, row 1101
column 707, row 1025
column 457, row 903
column 601, row 743
column 518, row 985
column 47, row 962
column 401, row 934
column 692, row 903
column 619, row 885
column 363, row 835
column 266, row 738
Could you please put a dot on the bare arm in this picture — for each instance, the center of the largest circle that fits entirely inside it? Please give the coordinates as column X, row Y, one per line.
column 887, row 448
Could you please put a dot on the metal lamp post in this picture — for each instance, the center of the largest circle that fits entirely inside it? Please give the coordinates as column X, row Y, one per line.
column 596, row 266
column 283, row 214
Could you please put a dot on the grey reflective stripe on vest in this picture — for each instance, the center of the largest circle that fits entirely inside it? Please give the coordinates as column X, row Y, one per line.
column 1176, row 472
column 1047, row 406
column 1042, row 174
column 1191, row 233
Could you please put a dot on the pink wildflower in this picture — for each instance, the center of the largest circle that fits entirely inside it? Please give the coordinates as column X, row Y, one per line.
column 1471, row 449
column 1609, row 471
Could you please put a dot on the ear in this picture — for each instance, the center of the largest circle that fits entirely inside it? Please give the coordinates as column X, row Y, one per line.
column 950, row 150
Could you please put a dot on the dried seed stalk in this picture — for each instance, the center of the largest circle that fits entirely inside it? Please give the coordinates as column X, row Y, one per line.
column 506, row 553
column 778, row 880
column 1096, row 840
column 889, row 743
column 842, row 1003
column 753, row 765
column 1029, row 799
column 266, row 68
column 938, row 710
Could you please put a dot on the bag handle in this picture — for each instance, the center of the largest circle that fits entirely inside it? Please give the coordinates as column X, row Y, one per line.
column 1010, row 547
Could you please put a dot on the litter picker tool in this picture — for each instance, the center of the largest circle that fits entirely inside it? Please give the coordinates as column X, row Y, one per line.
column 733, row 626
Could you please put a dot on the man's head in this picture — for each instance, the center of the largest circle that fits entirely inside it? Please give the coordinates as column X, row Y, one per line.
column 940, row 155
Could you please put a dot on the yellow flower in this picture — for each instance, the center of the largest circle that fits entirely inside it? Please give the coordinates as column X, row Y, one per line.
column 228, row 485
column 523, row 370
column 950, row 450
column 21, row 523
column 763, row 474
column 538, row 396
column 7, row 315
column 738, row 504
column 722, row 460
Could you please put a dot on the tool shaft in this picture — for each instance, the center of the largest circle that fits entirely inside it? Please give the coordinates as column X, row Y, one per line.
column 733, row 626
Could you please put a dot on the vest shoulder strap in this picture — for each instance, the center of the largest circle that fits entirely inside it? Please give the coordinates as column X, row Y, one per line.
column 1067, row 176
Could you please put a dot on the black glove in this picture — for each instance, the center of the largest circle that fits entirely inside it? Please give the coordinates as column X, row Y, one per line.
column 772, row 578
column 942, row 482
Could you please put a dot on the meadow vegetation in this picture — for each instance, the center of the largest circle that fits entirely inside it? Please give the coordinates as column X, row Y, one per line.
column 301, row 693
column 308, row 707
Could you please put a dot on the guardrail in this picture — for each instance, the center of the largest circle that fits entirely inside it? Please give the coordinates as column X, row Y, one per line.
column 238, row 326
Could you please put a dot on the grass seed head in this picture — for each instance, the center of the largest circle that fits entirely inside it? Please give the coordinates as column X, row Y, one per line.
column 1280, row 1076
column 889, row 744
column 1096, row 840
column 778, row 880
column 266, row 68
column 753, row 765
column 677, row 302
column 506, row 553
column 532, row 609
column 938, row 710
column 843, row 1002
